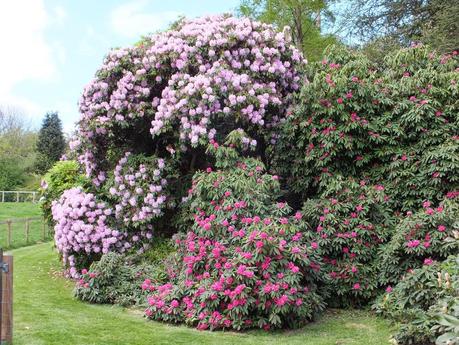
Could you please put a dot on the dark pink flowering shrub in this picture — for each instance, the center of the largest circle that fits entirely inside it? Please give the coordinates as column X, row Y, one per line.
column 332, row 130
column 394, row 123
column 430, row 234
column 244, row 262
column 348, row 225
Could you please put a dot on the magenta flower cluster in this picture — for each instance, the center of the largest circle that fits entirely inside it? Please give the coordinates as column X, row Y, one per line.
column 237, row 268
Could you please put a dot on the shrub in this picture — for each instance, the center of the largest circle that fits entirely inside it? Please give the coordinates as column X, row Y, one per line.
column 429, row 234
column 116, row 279
column 149, row 114
column 62, row 176
column 394, row 123
column 243, row 263
column 421, row 302
column 347, row 225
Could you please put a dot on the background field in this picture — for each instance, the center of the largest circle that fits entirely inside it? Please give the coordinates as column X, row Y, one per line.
column 21, row 211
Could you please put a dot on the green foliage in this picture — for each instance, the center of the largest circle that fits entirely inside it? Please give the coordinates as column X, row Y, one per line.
column 304, row 18
column 348, row 224
column 394, row 123
column 425, row 302
column 116, row 279
column 428, row 234
column 17, row 150
column 11, row 176
column 433, row 22
column 50, row 144
column 62, row 176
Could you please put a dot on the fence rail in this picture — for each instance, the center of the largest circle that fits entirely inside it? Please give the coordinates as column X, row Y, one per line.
column 23, row 231
column 18, row 196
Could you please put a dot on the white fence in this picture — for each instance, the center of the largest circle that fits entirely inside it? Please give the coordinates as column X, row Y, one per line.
column 18, row 196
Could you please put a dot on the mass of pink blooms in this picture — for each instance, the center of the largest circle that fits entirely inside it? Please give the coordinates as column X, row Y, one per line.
column 187, row 81
column 82, row 229
column 138, row 192
column 237, row 269
column 168, row 94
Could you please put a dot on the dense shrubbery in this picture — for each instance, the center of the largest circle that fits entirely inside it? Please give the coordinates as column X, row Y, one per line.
column 424, row 301
column 244, row 262
column 349, row 224
column 432, row 233
column 149, row 114
column 118, row 278
column 394, row 123
column 368, row 153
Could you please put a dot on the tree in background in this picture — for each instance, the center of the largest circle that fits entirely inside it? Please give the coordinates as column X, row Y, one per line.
column 304, row 17
column 395, row 23
column 50, row 143
column 17, row 149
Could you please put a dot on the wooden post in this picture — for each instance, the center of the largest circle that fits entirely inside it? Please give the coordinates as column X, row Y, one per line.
column 27, row 228
column 33, row 197
column 3, row 196
column 44, row 229
column 8, row 238
column 17, row 196
column 7, row 301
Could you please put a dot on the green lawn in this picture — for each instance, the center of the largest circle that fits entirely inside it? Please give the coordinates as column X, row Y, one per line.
column 21, row 210
column 45, row 313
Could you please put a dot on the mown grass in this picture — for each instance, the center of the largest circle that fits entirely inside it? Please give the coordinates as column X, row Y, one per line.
column 21, row 210
column 45, row 313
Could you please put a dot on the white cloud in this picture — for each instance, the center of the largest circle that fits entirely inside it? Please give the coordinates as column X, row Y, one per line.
column 25, row 53
column 59, row 15
column 131, row 20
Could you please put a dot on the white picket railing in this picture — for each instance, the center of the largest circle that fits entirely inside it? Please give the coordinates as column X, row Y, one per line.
column 18, row 195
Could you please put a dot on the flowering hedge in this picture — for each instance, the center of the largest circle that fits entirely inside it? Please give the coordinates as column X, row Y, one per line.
column 428, row 235
column 348, row 225
column 394, row 123
column 243, row 263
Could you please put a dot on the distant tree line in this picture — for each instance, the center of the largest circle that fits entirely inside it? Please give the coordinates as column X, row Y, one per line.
column 25, row 153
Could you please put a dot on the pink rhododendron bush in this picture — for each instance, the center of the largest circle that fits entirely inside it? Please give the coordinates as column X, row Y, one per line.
column 348, row 226
column 147, row 117
column 280, row 202
column 244, row 263
column 395, row 123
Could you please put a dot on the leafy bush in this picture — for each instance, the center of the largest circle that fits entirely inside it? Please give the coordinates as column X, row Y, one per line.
column 432, row 233
column 116, row 279
column 348, row 224
column 394, row 123
column 148, row 116
column 243, row 263
column 423, row 302
column 62, row 176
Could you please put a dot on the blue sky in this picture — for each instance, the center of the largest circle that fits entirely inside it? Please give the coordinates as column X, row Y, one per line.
column 50, row 49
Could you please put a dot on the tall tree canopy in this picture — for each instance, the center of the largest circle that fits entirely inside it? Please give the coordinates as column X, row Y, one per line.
column 51, row 142
column 304, row 17
column 405, row 21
